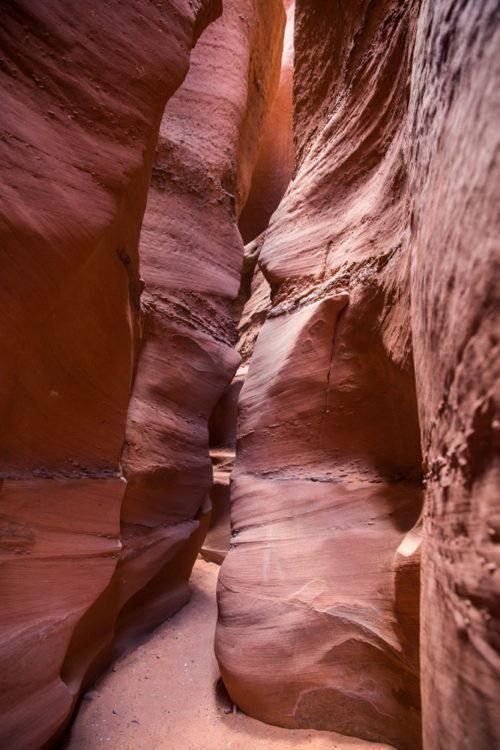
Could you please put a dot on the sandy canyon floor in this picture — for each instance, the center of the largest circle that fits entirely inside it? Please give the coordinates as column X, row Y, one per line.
column 164, row 695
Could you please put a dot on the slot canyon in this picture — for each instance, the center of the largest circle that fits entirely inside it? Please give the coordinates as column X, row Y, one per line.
column 250, row 374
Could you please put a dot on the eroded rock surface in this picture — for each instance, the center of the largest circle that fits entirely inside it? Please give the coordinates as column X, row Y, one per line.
column 276, row 159
column 322, row 577
column 80, row 117
column 397, row 187
column 191, row 257
column 455, row 178
column 117, row 394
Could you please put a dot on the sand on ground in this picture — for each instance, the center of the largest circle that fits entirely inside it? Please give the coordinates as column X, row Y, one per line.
column 163, row 695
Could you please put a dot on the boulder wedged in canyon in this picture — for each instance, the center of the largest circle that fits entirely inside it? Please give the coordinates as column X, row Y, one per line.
column 455, row 183
column 80, row 118
column 321, row 580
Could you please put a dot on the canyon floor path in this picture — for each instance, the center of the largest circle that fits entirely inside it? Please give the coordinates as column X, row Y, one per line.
column 164, row 695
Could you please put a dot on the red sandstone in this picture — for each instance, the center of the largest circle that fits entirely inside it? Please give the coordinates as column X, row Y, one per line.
column 354, row 340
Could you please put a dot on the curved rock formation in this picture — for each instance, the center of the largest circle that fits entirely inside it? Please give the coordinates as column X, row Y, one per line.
column 77, row 149
column 397, row 189
column 322, row 577
column 369, row 328
column 80, row 117
column 191, row 256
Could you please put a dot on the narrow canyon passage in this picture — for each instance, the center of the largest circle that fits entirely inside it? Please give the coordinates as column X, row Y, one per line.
column 250, row 374
column 164, row 694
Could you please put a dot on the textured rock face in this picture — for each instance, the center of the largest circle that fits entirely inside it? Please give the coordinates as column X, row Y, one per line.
column 117, row 394
column 397, row 187
column 80, row 118
column 455, row 176
column 191, row 257
column 322, row 579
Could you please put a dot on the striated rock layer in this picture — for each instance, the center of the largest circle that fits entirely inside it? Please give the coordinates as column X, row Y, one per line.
column 455, row 183
column 104, row 502
column 397, row 187
column 80, row 118
column 322, row 578
column 191, row 256
column 83, row 548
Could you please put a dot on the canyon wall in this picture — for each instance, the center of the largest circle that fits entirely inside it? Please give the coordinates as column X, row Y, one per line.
column 454, row 142
column 92, row 514
column 191, row 257
column 271, row 176
column 368, row 341
column 80, row 118
column 275, row 163
column 322, row 577
column 395, row 197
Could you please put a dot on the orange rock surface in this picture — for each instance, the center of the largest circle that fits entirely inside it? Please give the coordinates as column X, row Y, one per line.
column 354, row 148
column 275, row 163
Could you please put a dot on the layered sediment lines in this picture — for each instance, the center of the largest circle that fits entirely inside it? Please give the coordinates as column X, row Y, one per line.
column 365, row 359
column 83, row 542
column 395, row 198
column 322, row 577
column 80, row 118
column 191, row 257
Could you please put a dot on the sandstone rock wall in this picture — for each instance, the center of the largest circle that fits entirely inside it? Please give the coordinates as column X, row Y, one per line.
column 322, row 577
column 80, row 116
column 116, row 391
column 395, row 198
column 275, row 163
column 191, row 257
column 455, row 183
column 251, row 308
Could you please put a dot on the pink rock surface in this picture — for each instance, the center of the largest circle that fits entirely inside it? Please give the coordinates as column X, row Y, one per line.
column 455, row 181
column 80, row 117
column 396, row 113
column 191, row 256
column 59, row 543
column 322, row 577
column 368, row 337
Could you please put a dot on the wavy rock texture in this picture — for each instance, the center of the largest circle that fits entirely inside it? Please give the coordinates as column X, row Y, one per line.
column 322, row 578
column 397, row 156
column 270, row 179
column 455, row 178
column 191, row 256
column 80, row 118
